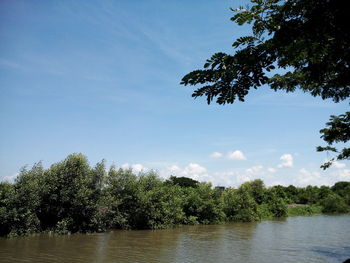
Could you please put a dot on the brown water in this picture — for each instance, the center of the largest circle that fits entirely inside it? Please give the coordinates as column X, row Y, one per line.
column 295, row 239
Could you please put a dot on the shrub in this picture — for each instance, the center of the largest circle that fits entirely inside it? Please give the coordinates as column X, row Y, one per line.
column 304, row 210
column 333, row 203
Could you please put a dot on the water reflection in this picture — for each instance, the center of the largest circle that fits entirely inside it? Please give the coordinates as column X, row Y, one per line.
column 135, row 246
column 335, row 254
column 219, row 243
column 298, row 239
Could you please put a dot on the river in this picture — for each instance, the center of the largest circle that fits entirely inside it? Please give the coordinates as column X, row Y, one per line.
column 295, row 239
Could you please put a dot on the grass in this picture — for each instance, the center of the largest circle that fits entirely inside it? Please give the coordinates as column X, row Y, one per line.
column 305, row 210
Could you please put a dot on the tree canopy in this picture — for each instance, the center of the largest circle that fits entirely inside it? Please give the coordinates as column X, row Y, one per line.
column 295, row 44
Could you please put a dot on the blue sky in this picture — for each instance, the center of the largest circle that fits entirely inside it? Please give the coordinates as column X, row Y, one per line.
column 102, row 78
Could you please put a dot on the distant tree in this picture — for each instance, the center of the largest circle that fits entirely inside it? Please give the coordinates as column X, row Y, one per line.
column 68, row 195
column 256, row 189
column 333, row 203
column 99, row 176
column 239, row 205
column 26, row 201
column 183, row 181
column 295, row 44
column 6, row 208
column 343, row 190
column 124, row 195
column 201, row 204
column 292, row 194
column 323, row 192
column 309, row 195
column 279, row 191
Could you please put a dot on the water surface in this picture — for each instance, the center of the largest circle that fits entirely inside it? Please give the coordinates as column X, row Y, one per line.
column 296, row 239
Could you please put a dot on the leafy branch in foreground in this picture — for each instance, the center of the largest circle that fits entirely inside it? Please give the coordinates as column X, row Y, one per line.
column 295, row 44
column 337, row 131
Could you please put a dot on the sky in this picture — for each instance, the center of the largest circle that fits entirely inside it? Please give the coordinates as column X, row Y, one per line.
column 102, row 78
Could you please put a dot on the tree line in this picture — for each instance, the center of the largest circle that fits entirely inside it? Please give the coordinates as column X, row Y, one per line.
column 71, row 196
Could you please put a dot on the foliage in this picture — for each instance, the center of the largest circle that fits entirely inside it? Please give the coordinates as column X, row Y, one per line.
column 201, row 206
column 256, row 189
column 71, row 196
column 264, row 212
column 6, row 212
column 295, row 44
column 25, row 201
column 239, row 205
column 277, row 207
column 333, row 203
column 275, row 198
column 292, row 194
column 343, row 190
column 68, row 195
column 337, row 131
column 309, row 195
column 304, row 210
column 183, row 181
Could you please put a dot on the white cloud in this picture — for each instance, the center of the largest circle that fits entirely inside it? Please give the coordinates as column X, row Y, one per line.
column 9, row 178
column 341, row 175
column 125, row 166
column 320, row 177
column 242, row 178
column 175, row 169
column 339, row 165
column 254, row 169
column 236, row 155
column 274, row 183
column 231, row 178
column 136, row 168
column 236, row 177
column 195, row 169
column 192, row 170
column 216, row 155
column 287, row 161
column 200, row 173
column 226, row 178
column 271, row 170
column 307, row 177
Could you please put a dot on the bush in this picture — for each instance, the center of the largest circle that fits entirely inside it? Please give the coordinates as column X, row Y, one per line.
column 304, row 210
column 278, row 207
column 264, row 212
column 333, row 203
column 202, row 204
column 239, row 205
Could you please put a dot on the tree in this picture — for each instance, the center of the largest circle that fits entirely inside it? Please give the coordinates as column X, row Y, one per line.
column 201, row 205
column 6, row 208
column 239, row 204
column 343, row 190
column 338, row 130
column 333, row 203
column 256, row 189
column 26, row 201
column 183, row 181
column 295, row 44
column 68, row 198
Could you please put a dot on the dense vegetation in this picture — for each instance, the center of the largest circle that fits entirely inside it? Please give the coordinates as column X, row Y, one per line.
column 71, row 196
